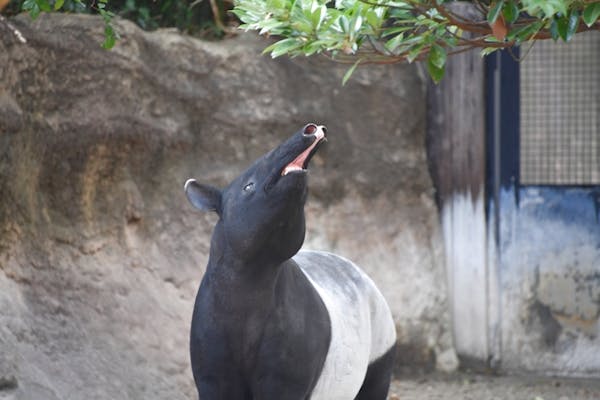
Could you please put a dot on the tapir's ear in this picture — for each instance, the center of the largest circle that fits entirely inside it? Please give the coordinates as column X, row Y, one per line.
column 204, row 197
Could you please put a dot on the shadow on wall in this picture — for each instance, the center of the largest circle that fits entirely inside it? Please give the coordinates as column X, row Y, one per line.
column 102, row 255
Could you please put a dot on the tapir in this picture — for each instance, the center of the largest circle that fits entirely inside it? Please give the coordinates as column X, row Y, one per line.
column 271, row 322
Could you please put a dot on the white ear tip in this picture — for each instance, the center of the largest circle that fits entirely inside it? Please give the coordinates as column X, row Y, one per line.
column 187, row 183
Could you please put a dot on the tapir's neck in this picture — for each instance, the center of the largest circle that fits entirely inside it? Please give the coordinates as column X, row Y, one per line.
column 241, row 279
column 231, row 269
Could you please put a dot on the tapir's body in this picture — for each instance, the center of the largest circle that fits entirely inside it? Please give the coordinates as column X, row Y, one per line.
column 271, row 323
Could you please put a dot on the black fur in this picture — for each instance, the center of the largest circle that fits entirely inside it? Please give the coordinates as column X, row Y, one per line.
column 259, row 328
column 379, row 375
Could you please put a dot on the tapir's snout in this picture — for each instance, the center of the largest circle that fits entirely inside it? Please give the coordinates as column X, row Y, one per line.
column 300, row 163
column 312, row 129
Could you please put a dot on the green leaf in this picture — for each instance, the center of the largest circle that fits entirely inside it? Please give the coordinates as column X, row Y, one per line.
column 32, row 7
column 435, row 72
column 487, row 51
column 567, row 26
column 591, row 13
column 27, row 5
column 282, row 47
column 375, row 17
column 318, row 15
column 350, row 71
column 394, row 30
column 562, row 25
column 317, row 46
column 357, row 22
column 144, row 13
column 110, row 37
column 44, row 5
column 58, row 4
column 437, row 56
column 545, row 8
column 35, row 12
column 554, row 29
column 573, row 24
column 525, row 32
column 303, row 26
column 494, row 11
column 415, row 52
column 344, row 24
column 394, row 42
column 401, row 14
column 510, row 12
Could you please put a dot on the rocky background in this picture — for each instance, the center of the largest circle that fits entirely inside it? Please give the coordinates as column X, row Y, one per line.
column 100, row 253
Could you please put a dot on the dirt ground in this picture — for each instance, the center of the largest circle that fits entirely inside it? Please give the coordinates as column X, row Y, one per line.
column 482, row 387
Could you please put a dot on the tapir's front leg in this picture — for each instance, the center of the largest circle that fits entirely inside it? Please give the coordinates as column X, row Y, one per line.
column 295, row 340
column 287, row 370
column 216, row 372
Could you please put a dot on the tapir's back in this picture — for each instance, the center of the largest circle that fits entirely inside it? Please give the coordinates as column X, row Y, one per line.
column 362, row 328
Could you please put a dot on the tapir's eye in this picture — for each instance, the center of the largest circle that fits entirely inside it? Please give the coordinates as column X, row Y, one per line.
column 249, row 187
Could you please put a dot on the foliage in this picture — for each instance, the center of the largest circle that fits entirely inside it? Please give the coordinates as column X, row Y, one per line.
column 388, row 31
column 192, row 16
column 354, row 31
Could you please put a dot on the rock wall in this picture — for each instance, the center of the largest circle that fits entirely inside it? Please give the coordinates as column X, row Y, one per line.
column 100, row 253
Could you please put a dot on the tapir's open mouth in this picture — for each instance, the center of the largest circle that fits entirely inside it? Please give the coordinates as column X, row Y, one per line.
column 300, row 163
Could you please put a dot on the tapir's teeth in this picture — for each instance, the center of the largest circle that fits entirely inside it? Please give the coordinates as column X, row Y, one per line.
column 289, row 169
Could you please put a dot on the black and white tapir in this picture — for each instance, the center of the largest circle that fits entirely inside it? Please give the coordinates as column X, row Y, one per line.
column 272, row 323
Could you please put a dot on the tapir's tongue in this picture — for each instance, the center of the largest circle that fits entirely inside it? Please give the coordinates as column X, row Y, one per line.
column 300, row 162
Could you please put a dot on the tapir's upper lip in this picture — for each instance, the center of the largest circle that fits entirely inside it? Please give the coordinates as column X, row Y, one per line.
column 300, row 162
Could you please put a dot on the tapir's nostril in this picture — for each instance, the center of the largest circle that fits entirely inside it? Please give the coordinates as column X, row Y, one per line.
column 324, row 129
column 310, row 129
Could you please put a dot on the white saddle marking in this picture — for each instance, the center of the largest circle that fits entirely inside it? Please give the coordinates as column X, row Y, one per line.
column 362, row 328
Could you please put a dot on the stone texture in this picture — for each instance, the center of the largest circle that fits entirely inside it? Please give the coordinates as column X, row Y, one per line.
column 100, row 254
